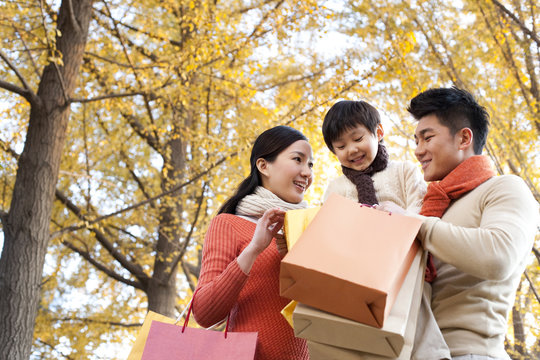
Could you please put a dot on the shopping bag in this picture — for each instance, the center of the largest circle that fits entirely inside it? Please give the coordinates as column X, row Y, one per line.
column 294, row 225
column 350, row 261
column 138, row 347
column 318, row 351
column 394, row 339
column 169, row 341
column 296, row 221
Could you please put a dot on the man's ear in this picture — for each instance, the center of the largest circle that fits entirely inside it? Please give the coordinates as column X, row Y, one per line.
column 262, row 166
column 380, row 132
column 465, row 139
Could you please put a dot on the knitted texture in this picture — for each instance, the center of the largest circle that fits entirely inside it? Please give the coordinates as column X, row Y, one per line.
column 262, row 199
column 464, row 178
column 253, row 300
column 362, row 179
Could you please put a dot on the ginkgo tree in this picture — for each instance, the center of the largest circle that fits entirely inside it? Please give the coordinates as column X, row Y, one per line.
column 488, row 47
column 168, row 99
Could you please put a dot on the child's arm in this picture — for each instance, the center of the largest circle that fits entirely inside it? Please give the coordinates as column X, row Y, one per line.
column 415, row 187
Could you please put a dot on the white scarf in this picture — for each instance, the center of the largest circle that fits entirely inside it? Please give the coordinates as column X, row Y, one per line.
column 254, row 205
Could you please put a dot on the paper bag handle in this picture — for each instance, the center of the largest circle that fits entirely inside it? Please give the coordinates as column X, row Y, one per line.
column 189, row 313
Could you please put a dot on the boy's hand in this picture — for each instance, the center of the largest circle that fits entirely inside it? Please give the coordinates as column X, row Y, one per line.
column 391, row 207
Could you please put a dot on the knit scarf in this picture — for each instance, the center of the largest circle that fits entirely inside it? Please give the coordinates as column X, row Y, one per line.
column 362, row 178
column 262, row 199
column 464, row 178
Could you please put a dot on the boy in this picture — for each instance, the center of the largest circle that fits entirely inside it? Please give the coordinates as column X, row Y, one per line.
column 352, row 130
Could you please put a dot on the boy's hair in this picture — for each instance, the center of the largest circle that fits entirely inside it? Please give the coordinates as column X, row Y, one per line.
column 456, row 109
column 348, row 114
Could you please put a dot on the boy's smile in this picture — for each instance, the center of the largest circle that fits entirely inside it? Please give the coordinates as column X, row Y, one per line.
column 357, row 147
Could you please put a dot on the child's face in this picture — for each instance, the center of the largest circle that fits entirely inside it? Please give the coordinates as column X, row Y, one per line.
column 356, row 148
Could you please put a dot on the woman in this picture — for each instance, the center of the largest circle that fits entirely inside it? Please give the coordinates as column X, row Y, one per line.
column 240, row 271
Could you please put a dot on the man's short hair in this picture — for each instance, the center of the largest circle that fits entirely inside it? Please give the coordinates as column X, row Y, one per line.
column 456, row 109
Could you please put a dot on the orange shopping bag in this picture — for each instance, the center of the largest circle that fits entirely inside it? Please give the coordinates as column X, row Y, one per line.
column 350, row 261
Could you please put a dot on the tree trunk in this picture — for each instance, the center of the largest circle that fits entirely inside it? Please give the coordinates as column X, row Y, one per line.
column 26, row 227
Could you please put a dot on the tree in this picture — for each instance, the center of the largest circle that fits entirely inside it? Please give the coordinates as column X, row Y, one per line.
column 169, row 92
column 486, row 47
column 26, row 224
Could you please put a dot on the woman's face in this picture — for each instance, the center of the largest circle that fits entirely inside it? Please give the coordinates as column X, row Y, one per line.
column 290, row 174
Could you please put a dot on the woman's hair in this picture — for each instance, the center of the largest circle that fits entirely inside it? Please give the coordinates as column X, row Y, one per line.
column 267, row 146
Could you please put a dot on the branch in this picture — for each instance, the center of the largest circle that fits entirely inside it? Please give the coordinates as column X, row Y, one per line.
column 86, row 255
column 15, row 89
column 193, row 224
column 3, row 219
column 135, row 269
column 134, row 206
column 517, row 21
column 110, row 323
column 54, row 349
column 532, row 287
column 17, row 73
column 71, row 14
column 107, row 96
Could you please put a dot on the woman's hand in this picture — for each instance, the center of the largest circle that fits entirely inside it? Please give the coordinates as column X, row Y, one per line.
column 267, row 228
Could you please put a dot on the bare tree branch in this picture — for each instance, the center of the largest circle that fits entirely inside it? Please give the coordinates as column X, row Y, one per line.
column 104, row 97
column 86, row 255
column 193, row 225
column 531, row 286
column 72, row 18
column 15, row 89
column 135, row 269
column 17, row 73
column 54, row 349
column 95, row 321
column 517, row 21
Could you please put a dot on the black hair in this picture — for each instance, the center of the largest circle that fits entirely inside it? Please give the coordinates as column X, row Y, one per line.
column 456, row 109
column 268, row 146
column 348, row 114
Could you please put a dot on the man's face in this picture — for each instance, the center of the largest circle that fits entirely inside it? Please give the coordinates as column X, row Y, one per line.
column 436, row 149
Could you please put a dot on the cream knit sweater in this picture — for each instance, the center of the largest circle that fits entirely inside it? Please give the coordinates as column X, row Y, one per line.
column 401, row 182
column 481, row 245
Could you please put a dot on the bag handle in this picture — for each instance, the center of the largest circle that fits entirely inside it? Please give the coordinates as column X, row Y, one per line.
column 189, row 313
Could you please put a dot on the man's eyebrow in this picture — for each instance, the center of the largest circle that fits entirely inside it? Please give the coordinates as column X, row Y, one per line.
column 423, row 132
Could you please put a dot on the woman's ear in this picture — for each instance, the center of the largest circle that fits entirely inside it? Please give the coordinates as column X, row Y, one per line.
column 262, row 166
column 380, row 132
column 466, row 139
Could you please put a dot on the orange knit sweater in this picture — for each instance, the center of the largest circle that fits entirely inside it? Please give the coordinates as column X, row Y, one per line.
column 253, row 300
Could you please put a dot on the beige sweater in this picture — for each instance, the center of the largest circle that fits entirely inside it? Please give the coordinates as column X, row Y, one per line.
column 481, row 246
column 401, row 182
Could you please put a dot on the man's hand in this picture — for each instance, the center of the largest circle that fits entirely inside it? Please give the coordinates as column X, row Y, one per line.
column 391, row 207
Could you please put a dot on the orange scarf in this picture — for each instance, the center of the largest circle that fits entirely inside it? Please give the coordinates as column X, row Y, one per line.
column 464, row 178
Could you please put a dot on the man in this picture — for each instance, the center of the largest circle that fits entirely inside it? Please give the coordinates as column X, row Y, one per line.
column 478, row 227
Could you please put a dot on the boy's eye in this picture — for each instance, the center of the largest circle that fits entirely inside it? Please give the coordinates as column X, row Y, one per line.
column 358, row 139
column 340, row 147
